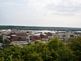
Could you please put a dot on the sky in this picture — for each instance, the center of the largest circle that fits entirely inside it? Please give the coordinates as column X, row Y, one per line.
column 55, row 13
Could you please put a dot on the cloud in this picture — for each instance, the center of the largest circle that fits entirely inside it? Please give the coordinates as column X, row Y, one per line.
column 42, row 7
column 65, row 7
column 41, row 12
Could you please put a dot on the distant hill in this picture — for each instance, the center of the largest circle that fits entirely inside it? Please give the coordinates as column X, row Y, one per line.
column 40, row 28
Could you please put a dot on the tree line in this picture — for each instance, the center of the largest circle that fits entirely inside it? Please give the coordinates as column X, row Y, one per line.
column 40, row 28
column 54, row 50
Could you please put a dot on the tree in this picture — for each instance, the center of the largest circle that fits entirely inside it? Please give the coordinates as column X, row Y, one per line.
column 60, row 51
column 54, row 50
column 75, row 46
column 1, row 39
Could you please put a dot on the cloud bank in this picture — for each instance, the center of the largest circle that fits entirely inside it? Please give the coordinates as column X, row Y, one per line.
column 41, row 12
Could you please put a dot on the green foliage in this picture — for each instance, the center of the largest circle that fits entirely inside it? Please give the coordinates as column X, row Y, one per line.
column 1, row 39
column 54, row 50
column 60, row 51
column 75, row 46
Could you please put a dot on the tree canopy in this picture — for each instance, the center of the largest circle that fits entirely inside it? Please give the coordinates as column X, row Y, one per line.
column 54, row 50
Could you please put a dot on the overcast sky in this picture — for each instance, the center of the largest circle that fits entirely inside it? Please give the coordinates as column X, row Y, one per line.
column 57, row 13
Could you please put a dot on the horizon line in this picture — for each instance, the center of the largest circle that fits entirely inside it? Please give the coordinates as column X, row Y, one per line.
column 39, row 26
